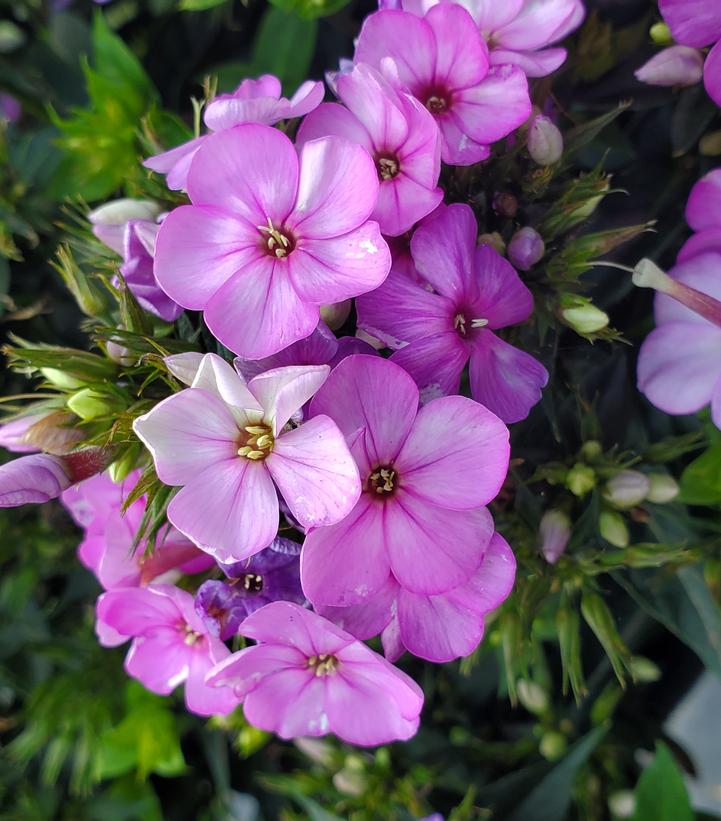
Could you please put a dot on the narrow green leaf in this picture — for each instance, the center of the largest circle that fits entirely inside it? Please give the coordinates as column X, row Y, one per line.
column 661, row 794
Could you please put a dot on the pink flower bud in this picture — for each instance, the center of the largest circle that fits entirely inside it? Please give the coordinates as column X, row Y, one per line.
column 526, row 248
column 545, row 142
column 32, row 480
column 554, row 533
column 674, row 66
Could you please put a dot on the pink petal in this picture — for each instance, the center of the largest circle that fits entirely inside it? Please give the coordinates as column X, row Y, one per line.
column 160, row 661
column 284, row 622
column 401, row 310
column 458, row 148
column 502, row 299
column 712, row 74
column 175, row 163
column 323, row 271
column 532, row 63
column 435, row 363
column 506, row 380
column 243, row 671
column 692, row 22
column 346, row 563
column 679, row 366
column 490, row 15
column 229, row 510
column 372, row 393
column 443, row 249
column 456, row 454
column 492, row 583
column 198, row 250
column 308, row 97
column 202, row 699
column 136, row 611
column 186, row 433
column 250, row 171
column 704, row 202
column 495, row 107
column 716, row 404
column 707, row 240
column 335, row 119
column 702, row 272
column 267, row 314
column 461, row 52
column 283, row 391
column 184, row 366
column 315, row 473
column 278, row 705
column 370, row 616
column 539, row 24
column 402, row 202
column 433, row 549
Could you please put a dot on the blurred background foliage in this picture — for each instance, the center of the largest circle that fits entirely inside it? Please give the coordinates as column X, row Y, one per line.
column 561, row 712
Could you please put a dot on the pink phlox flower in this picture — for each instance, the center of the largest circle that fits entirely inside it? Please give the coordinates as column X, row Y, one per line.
column 272, row 236
column 254, row 101
column 229, row 444
column 398, row 132
column 306, row 677
column 170, row 644
column 437, row 628
column 517, row 31
column 438, row 325
column 426, row 475
column 442, row 60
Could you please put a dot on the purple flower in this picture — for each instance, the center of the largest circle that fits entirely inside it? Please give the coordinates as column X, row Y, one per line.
column 13, row 433
column 526, row 248
column 426, row 476
column 228, row 444
column 435, row 332
column 271, row 237
column 254, row 101
column 398, row 132
column 33, row 479
column 517, row 31
column 171, row 645
column 443, row 61
column 674, row 66
column 437, row 628
column 697, row 23
column 306, row 677
column 268, row 576
column 110, row 219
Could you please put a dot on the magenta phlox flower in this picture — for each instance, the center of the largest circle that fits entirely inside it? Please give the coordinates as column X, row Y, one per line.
column 268, row 576
column 170, row 644
column 271, row 237
column 437, row 628
column 438, row 325
column 426, row 476
column 697, row 23
column 254, row 101
column 442, row 60
column 228, row 444
column 307, row 677
column 398, row 132
column 33, row 479
column 517, row 31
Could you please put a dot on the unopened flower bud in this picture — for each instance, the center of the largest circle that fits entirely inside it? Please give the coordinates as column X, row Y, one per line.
column 505, row 204
column 591, row 450
column 33, row 479
column 60, row 379
column 580, row 479
column 554, row 534
column 532, row 696
column 336, row 314
column 644, row 670
column 612, row 528
column 109, row 220
column 661, row 34
column 526, row 248
column 122, row 467
column 622, row 804
column 118, row 353
column 627, row 489
column 582, row 315
column 674, row 66
column 553, row 745
column 495, row 240
column 89, row 404
column 662, row 488
column 545, row 141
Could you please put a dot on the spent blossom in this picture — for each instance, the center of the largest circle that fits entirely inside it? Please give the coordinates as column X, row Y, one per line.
column 228, row 444
column 307, row 677
column 271, row 236
column 438, row 323
column 398, row 132
column 443, row 61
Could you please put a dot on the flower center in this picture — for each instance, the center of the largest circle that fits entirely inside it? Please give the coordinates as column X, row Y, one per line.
column 460, row 324
column 383, row 480
column 257, row 443
column 252, row 582
column 436, row 103
column 388, row 167
column 190, row 637
column 323, row 665
column 277, row 243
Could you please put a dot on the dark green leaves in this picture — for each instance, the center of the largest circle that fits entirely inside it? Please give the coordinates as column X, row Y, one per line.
column 661, row 794
column 310, row 9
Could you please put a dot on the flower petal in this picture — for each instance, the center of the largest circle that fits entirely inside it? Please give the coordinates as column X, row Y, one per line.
column 712, row 75
column 160, row 661
column 136, row 611
column 456, row 454
column 175, row 163
column 315, row 473
column 229, row 510
column 461, row 52
column 370, row 616
column 532, row 63
column 692, row 22
column 506, row 380
column 199, row 697
column 335, row 119
column 502, row 299
column 435, row 362
column 243, row 671
column 186, row 433
column 282, row 391
column 337, row 189
column 702, row 272
column 704, row 203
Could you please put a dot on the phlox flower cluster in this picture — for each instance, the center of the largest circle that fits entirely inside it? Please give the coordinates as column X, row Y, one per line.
column 325, row 489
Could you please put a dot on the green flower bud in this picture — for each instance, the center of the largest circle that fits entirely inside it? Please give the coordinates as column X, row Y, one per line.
column 591, row 450
column 121, row 467
column 662, row 488
column 532, row 696
column 580, row 479
column 661, row 34
column 60, row 379
column 89, row 404
column 644, row 670
column 582, row 315
column 553, row 745
column 612, row 527
column 627, row 489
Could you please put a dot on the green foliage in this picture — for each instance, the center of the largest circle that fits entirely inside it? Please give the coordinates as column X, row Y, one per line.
column 661, row 794
column 310, row 9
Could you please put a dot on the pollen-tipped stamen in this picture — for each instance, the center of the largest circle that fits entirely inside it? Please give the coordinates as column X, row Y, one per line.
column 648, row 275
column 323, row 664
column 277, row 242
column 259, row 442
